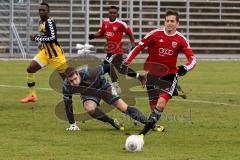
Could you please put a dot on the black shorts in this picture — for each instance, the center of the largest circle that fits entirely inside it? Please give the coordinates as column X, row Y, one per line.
column 161, row 85
column 115, row 59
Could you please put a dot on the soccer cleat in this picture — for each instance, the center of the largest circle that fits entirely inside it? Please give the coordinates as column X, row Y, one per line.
column 158, row 128
column 181, row 93
column 143, row 79
column 118, row 125
column 29, row 98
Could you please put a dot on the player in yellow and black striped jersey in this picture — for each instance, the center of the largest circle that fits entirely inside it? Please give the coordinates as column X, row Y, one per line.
column 50, row 51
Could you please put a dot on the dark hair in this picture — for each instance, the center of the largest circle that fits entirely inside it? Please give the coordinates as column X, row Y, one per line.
column 113, row 7
column 46, row 4
column 70, row 71
column 171, row 12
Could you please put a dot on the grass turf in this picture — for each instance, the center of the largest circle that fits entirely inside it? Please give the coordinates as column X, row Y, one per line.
column 205, row 126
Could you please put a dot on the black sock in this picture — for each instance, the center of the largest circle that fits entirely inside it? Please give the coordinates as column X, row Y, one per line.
column 101, row 116
column 111, row 71
column 135, row 114
column 152, row 120
column 113, row 74
column 131, row 73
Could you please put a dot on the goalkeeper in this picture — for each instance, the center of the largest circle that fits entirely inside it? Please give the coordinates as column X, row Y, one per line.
column 92, row 86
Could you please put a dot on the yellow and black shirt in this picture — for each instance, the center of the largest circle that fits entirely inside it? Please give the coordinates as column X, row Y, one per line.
column 48, row 38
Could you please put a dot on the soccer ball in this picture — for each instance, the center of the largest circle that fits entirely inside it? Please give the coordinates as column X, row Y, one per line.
column 134, row 143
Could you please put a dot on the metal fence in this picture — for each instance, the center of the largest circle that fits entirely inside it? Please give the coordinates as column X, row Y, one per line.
column 76, row 18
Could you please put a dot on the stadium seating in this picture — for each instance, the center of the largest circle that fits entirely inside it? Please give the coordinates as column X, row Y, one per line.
column 213, row 25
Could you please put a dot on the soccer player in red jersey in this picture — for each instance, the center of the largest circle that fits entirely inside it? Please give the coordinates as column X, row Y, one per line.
column 113, row 29
column 164, row 45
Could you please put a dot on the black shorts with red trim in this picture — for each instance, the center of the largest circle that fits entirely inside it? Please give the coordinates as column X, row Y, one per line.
column 160, row 86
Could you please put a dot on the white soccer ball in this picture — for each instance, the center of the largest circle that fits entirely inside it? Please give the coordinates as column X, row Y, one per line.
column 134, row 143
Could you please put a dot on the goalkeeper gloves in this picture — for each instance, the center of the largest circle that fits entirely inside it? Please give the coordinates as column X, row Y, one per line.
column 73, row 127
column 182, row 70
column 91, row 36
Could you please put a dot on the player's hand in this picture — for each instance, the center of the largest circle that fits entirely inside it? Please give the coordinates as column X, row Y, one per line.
column 32, row 36
column 182, row 70
column 91, row 36
column 132, row 48
column 73, row 127
column 40, row 46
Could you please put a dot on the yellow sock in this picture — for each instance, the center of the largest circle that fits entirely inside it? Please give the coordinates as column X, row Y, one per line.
column 31, row 84
column 32, row 91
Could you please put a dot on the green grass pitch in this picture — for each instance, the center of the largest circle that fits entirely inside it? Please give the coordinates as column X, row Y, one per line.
column 205, row 126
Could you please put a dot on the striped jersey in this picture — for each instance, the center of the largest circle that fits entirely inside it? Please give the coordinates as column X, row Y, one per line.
column 48, row 38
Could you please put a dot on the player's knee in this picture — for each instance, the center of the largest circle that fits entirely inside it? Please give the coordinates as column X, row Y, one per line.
column 161, row 104
column 90, row 110
column 30, row 70
column 89, row 107
column 152, row 103
column 162, row 101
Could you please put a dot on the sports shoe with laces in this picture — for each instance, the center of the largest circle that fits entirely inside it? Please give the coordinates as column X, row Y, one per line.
column 118, row 125
column 158, row 128
column 29, row 98
column 181, row 93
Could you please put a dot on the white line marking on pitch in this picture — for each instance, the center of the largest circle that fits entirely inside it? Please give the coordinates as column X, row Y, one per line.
column 22, row 87
column 206, row 102
column 184, row 100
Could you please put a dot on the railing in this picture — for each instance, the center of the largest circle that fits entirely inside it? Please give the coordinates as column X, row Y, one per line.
column 211, row 25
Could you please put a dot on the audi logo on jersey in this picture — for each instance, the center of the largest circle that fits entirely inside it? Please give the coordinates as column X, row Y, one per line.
column 164, row 51
column 109, row 34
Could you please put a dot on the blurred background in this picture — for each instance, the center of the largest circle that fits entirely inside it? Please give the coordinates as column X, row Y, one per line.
column 212, row 26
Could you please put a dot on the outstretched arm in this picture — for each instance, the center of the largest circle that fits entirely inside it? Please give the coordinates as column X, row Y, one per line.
column 100, row 33
column 67, row 98
column 140, row 46
column 69, row 108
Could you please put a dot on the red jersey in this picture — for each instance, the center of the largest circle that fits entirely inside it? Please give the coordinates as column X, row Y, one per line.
column 114, row 32
column 163, row 49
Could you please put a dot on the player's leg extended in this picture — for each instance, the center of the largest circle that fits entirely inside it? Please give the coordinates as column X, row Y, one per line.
column 164, row 91
column 112, row 73
column 133, row 112
column 117, row 62
column 92, row 108
column 156, row 113
column 37, row 63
